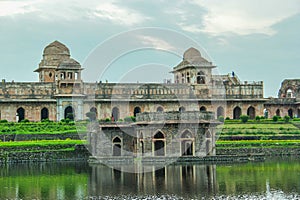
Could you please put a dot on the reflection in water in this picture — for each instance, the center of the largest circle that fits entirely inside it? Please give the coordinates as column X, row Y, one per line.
column 180, row 180
column 268, row 180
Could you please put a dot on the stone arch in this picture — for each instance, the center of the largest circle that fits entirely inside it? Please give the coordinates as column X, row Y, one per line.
column 278, row 112
column 291, row 113
column 200, row 78
column 237, row 111
column 69, row 113
column 187, row 143
column 289, row 93
column 21, row 114
column 159, row 144
column 251, row 112
column 117, row 146
column 44, row 113
column 159, row 109
column 202, row 109
column 220, row 111
column 94, row 110
column 181, row 109
column 136, row 110
column 115, row 114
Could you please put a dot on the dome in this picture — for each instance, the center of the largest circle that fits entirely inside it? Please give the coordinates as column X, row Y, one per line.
column 56, row 48
column 69, row 64
column 192, row 55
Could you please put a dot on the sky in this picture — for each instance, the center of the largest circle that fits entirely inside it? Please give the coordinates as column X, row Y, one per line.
column 257, row 39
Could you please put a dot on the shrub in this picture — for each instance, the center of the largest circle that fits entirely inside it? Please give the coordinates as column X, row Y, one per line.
column 244, row 118
column 25, row 120
column 257, row 118
column 286, row 118
column 129, row 119
column 107, row 119
column 3, row 121
column 221, row 118
column 275, row 118
column 227, row 118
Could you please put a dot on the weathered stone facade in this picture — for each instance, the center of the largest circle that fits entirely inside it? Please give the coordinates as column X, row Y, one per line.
column 61, row 92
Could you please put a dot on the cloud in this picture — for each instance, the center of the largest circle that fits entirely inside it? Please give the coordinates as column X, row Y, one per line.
column 9, row 8
column 70, row 10
column 245, row 17
column 156, row 43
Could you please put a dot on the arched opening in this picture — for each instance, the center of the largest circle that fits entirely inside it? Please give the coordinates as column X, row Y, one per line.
column 160, row 109
column 21, row 114
column 181, row 109
column 202, row 109
column 220, row 111
column 115, row 114
column 251, row 112
column 278, row 112
column 186, row 144
column 159, row 144
column 182, row 78
column 188, row 77
column 290, row 113
column 237, row 112
column 44, row 113
column 136, row 111
column 200, row 78
column 69, row 113
column 289, row 93
column 117, row 146
column 94, row 110
column 208, row 147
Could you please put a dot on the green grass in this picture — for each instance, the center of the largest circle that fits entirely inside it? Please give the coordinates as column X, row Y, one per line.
column 41, row 143
column 257, row 143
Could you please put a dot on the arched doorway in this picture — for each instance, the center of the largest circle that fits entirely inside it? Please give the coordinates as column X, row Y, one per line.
column 160, row 109
column 181, row 109
column 44, row 113
column 69, row 113
column 117, row 146
column 237, row 112
column 202, row 109
column 21, row 114
column 278, row 112
column 159, row 144
column 251, row 112
column 187, row 144
column 136, row 111
column 220, row 111
column 94, row 110
column 115, row 114
column 290, row 113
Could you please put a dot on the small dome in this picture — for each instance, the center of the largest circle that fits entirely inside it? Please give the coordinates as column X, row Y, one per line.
column 69, row 64
column 56, row 48
column 192, row 55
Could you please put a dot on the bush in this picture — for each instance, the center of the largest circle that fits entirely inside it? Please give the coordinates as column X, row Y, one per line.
column 257, row 118
column 107, row 119
column 3, row 121
column 286, row 118
column 25, row 120
column 227, row 118
column 129, row 119
column 221, row 118
column 275, row 118
column 244, row 118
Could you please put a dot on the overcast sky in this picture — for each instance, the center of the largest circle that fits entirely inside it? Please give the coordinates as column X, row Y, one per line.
column 257, row 39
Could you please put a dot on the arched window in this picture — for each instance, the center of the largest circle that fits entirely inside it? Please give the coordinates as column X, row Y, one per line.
column 182, row 78
column 160, row 109
column 94, row 110
column 237, row 112
column 290, row 113
column 115, row 114
column 21, row 114
column 159, row 144
column 187, row 143
column 220, row 111
column 136, row 111
column 69, row 113
column 278, row 112
column 181, row 109
column 44, row 113
column 202, row 109
column 188, row 77
column 117, row 146
column 251, row 112
column 200, row 78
